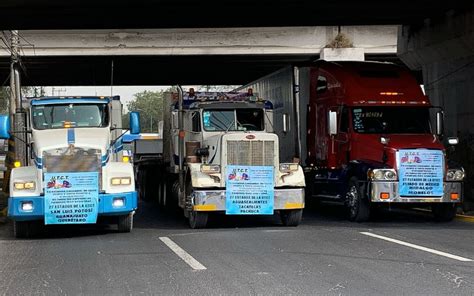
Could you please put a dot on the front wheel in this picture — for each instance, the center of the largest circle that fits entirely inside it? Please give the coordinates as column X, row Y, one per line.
column 125, row 223
column 358, row 206
column 291, row 217
column 26, row 229
column 443, row 212
column 197, row 219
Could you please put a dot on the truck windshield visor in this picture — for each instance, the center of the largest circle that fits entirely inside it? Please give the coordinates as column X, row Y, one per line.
column 233, row 120
column 70, row 115
column 391, row 120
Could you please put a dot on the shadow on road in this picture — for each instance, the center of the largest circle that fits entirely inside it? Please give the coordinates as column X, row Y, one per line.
column 150, row 216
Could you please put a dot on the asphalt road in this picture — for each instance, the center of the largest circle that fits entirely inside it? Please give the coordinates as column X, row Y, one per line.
column 326, row 255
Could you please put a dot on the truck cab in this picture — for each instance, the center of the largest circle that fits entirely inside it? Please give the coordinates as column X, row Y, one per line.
column 74, row 172
column 375, row 139
column 230, row 144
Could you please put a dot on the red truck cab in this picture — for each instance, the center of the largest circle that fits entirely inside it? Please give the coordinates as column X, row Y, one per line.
column 371, row 141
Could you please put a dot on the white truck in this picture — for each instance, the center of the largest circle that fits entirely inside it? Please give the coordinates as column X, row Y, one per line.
column 223, row 156
column 74, row 171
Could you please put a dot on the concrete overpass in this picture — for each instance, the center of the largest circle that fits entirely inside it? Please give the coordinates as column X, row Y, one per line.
column 122, row 14
column 436, row 37
column 160, row 56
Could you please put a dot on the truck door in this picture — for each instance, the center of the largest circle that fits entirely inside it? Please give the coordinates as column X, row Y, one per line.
column 342, row 141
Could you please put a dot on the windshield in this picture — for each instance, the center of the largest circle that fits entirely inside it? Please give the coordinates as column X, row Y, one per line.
column 391, row 120
column 233, row 120
column 70, row 115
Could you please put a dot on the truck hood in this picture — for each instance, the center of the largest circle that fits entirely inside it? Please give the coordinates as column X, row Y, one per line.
column 96, row 138
column 368, row 147
column 413, row 142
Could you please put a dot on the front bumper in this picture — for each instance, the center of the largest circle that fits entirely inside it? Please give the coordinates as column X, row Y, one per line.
column 214, row 200
column 106, row 208
column 377, row 188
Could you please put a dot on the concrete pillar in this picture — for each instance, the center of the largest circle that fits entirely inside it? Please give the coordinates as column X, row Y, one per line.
column 444, row 51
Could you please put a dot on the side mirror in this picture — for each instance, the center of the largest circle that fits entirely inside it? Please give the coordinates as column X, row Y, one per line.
column 134, row 123
column 286, row 122
column 453, row 141
column 439, row 123
column 332, row 123
column 4, row 127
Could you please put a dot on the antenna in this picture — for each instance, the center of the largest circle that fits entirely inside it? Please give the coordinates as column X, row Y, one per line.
column 112, row 78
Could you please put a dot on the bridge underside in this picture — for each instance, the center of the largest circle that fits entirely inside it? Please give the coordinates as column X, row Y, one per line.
column 154, row 70
column 116, row 14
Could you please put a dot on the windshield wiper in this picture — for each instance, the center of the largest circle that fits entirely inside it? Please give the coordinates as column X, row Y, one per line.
column 230, row 125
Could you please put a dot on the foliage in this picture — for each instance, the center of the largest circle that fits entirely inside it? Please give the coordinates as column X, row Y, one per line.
column 150, row 106
column 26, row 91
column 340, row 41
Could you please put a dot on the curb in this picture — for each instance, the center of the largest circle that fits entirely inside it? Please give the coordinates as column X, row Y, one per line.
column 459, row 217
column 465, row 218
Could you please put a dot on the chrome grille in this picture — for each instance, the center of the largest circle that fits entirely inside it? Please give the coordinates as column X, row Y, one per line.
column 250, row 153
column 71, row 160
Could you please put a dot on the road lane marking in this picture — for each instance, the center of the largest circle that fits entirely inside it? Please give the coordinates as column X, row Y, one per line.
column 421, row 248
column 196, row 265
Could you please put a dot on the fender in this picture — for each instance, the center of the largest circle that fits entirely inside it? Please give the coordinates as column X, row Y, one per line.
column 118, row 169
column 338, row 179
column 23, row 174
column 202, row 180
column 359, row 169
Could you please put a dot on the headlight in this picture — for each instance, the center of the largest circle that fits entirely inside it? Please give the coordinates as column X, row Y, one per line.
column 28, row 185
column 210, row 168
column 288, row 167
column 382, row 175
column 121, row 181
column 455, row 175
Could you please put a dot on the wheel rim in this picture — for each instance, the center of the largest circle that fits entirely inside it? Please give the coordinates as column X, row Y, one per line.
column 352, row 201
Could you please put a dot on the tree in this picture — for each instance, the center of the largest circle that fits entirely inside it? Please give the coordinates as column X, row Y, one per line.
column 150, row 106
column 26, row 91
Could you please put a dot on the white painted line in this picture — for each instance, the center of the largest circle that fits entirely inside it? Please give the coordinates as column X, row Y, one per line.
column 182, row 254
column 396, row 241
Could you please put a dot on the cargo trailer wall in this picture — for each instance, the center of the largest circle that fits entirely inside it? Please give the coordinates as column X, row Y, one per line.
column 279, row 88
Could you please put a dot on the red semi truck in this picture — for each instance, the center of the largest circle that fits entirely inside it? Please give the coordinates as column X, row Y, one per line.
column 366, row 134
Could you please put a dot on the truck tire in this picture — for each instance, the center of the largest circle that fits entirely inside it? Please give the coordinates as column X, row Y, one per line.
column 125, row 223
column 26, row 229
column 444, row 212
column 142, row 185
column 358, row 206
column 291, row 217
column 21, row 229
column 197, row 219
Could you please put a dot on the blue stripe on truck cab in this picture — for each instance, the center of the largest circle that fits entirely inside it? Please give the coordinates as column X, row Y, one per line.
column 106, row 207
column 71, row 136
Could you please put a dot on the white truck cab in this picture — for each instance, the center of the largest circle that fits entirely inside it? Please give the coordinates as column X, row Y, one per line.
column 232, row 159
column 74, row 172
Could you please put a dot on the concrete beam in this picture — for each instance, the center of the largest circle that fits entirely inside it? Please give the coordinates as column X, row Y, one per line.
column 444, row 51
column 221, row 41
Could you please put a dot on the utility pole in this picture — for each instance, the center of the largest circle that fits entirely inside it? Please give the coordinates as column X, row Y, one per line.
column 17, row 113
